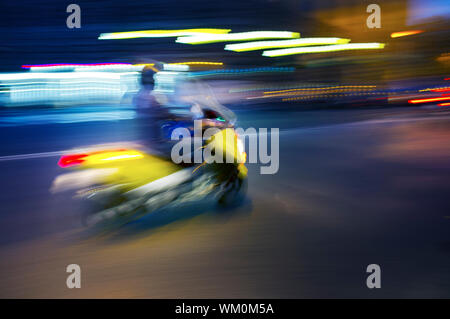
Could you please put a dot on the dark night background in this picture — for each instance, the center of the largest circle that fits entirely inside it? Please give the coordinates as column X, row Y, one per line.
column 364, row 174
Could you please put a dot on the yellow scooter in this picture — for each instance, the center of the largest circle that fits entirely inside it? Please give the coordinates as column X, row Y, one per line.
column 122, row 184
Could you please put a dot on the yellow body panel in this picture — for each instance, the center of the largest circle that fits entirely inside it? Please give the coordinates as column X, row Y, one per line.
column 132, row 168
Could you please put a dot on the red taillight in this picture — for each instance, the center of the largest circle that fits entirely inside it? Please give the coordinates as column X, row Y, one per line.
column 75, row 159
column 70, row 160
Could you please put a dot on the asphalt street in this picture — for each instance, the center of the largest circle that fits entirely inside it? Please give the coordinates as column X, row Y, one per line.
column 354, row 187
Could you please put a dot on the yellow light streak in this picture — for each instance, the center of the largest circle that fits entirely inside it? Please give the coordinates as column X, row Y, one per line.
column 260, row 45
column 160, row 33
column 239, row 36
column 323, row 48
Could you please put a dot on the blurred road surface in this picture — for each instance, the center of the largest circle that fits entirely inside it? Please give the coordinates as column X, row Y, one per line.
column 354, row 188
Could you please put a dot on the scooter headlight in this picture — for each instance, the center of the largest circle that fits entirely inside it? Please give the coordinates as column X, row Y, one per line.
column 241, row 150
column 240, row 145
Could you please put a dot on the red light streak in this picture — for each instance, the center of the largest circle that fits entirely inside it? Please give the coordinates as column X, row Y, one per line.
column 434, row 99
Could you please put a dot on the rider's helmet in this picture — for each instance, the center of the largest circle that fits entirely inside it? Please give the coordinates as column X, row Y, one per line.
column 148, row 74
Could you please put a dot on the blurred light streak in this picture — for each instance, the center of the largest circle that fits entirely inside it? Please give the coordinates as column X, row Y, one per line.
column 112, row 68
column 443, row 58
column 28, row 66
column 444, row 104
column 241, row 71
column 292, row 86
column 308, row 93
column 434, row 99
column 85, row 67
column 325, row 88
column 260, row 45
column 240, row 36
column 61, row 75
column 322, row 93
column 403, row 97
column 439, row 89
column 197, row 63
column 324, row 96
column 34, row 88
column 62, row 118
column 62, row 89
column 176, row 67
column 405, row 33
column 324, row 48
column 160, row 33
